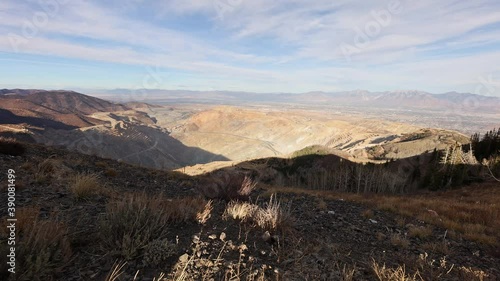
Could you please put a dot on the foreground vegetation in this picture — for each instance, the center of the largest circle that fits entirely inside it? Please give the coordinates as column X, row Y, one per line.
column 81, row 217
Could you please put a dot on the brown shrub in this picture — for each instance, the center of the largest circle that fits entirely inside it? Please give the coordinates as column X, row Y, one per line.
column 273, row 216
column 47, row 170
column 384, row 273
column 134, row 221
column 9, row 146
column 227, row 186
column 43, row 248
column 439, row 247
column 242, row 211
column 419, row 232
column 85, row 185
column 367, row 214
column 110, row 172
column 399, row 241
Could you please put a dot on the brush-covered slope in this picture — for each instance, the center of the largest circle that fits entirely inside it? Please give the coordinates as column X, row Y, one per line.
column 92, row 217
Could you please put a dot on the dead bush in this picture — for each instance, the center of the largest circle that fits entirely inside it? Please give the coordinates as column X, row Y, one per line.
column 399, row 241
column 43, row 248
column 384, row 273
column 85, row 185
column 273, row 216
column 131, row 223
column 10, row 146
column 50, row 169
column 419, row 232
column 203, row 215
column 227, row 186
column 242, row 211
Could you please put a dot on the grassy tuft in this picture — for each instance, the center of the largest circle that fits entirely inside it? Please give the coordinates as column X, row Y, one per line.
column 420, row 232
column 273, row 216
column 85, row 185
column 384, row 273
column 242, row 211
column 134, row 221
column 43, row 248
column 399, row 241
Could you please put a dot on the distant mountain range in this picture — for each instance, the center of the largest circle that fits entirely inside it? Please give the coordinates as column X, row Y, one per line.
column 405, row 100
column 178, row 136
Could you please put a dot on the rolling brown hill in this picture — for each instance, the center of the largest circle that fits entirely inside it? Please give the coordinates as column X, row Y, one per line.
column 66, row 107
column 174, row 137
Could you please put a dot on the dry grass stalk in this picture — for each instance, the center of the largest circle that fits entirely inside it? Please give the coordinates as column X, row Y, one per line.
column 85, row 185
column 399, row 241
column 384, row 273
column 133, row 222
column 420, row 232
column 243, row 211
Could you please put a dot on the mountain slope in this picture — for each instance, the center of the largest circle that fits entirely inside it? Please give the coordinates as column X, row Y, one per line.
column 66, row 107
column 160, row 222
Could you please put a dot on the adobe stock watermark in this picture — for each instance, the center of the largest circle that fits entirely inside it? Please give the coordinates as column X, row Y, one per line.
column 222, row 7
column 487, row 86
column 31, row 26
column 11, row 220
column 371, row 30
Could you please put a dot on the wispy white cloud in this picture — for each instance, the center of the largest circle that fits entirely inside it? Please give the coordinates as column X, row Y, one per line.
column 282, row 45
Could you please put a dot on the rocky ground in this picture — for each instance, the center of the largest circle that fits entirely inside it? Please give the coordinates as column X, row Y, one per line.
column 316, row 239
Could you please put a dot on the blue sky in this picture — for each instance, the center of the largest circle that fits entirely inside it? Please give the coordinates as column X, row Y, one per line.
column 257, row 46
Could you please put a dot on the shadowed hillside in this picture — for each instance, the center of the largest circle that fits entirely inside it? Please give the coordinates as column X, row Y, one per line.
column 98, row 219
column 67, row 107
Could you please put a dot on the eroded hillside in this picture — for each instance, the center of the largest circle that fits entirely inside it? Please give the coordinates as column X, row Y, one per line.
column 177, row 136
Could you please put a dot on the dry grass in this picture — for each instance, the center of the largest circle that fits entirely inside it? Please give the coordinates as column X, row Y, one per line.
column 49, row 169
column 110, row 172
column 193, row 268
column 384, row 273
column 426, row 268
column 420, row 232
column 477, row 217
column 134, row 221
column 227, row 186
column 205, row 214
column 420, row 269
column 28, row 166
column 322, row 206
column 101, row 164
column 399, row 241
column 472, row 211
column 468, row 273
column 347, row 273
column 367, row 214
column 401, row 221
column 242, row 211
column 43, row 247
column 439, row 247
column 272, row 216
column 85, row 185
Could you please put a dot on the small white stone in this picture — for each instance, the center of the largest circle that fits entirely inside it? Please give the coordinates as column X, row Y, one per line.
column 222, row 236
